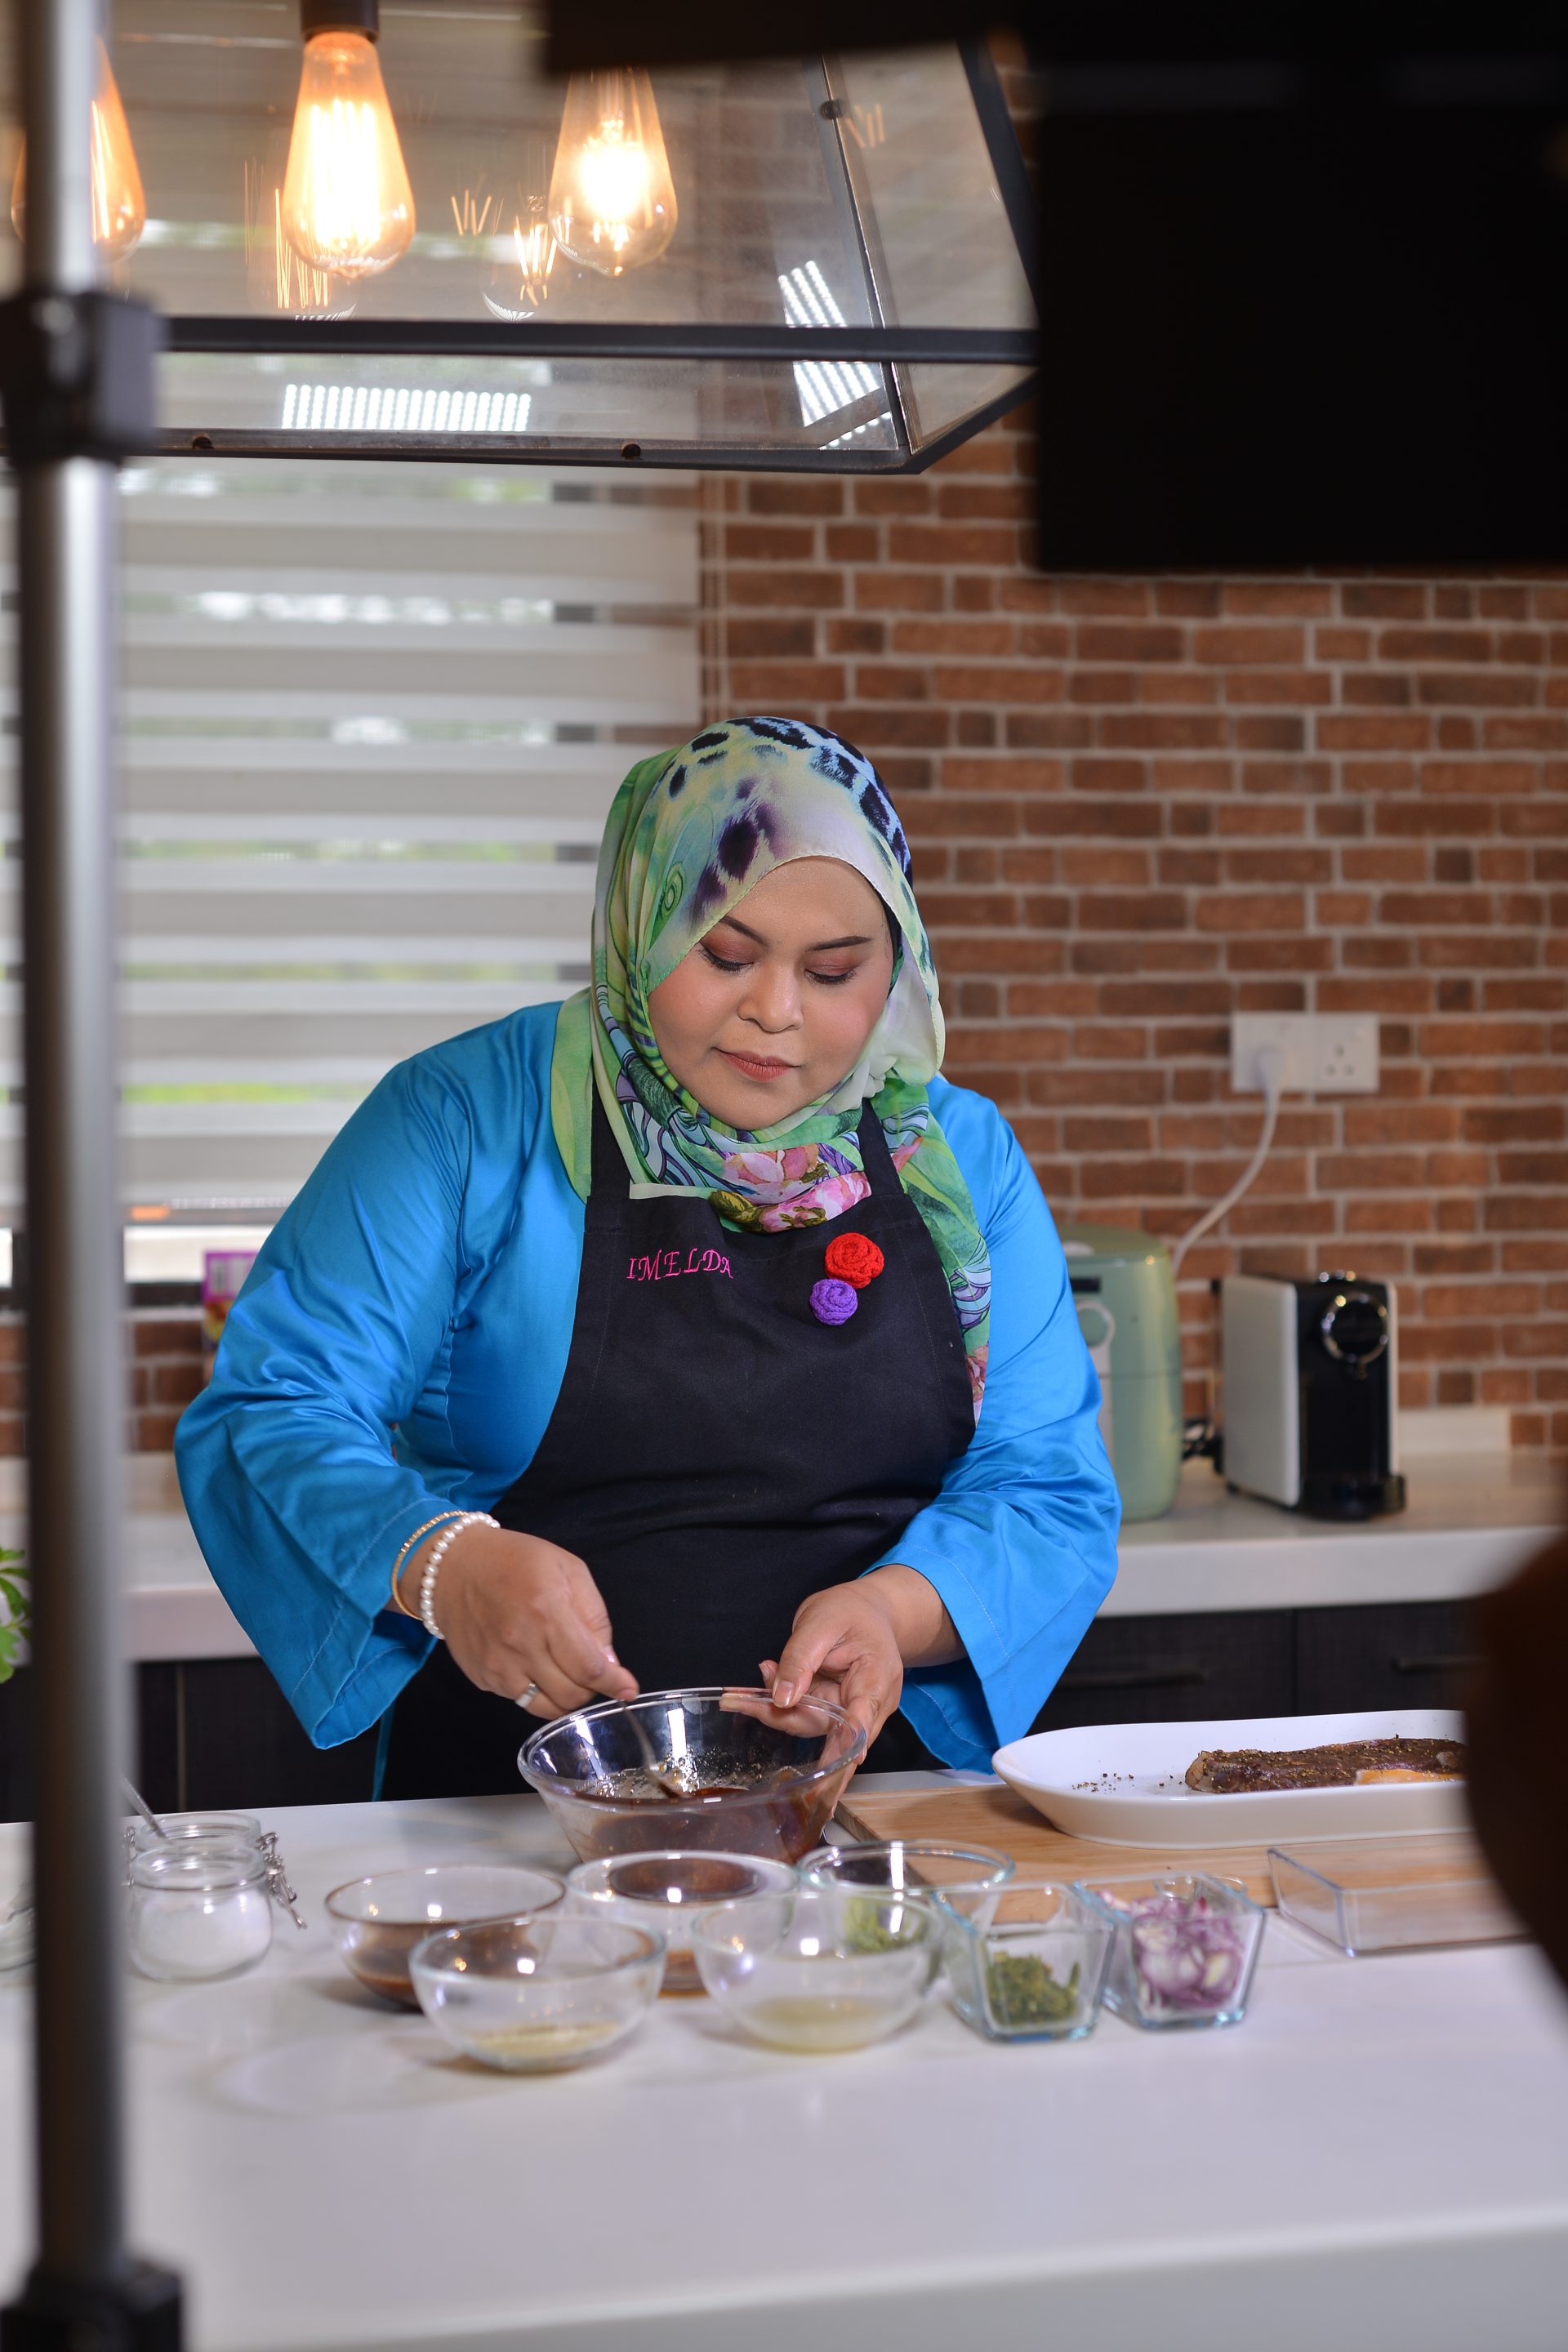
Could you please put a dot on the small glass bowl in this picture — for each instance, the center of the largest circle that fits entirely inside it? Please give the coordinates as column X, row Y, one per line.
column 820, row 1969
column 376, row 1922
column 533, row 1995
column 917, row 1865
column 1185, row 1947
column 198, row 1911
column 1026, row 1960
column 667, row 1891
column 753, row 1778
column 909, row 1866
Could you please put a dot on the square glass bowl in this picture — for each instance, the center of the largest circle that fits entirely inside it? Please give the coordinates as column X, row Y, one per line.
column 1026, row 1958
column 667, row 1890
column 534, row 1996
column 818, row 1970
column 1185, row 1947
column 1393, row 1894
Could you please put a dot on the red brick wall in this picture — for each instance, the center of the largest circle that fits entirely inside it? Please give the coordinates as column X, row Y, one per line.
column 1139, row 806
column 164, row 1371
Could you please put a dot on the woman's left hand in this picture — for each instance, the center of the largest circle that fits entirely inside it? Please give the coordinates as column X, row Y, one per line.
column 852, row 1642
column 842, row 1646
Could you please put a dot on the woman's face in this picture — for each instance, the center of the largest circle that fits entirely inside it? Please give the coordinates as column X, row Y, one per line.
column 774, row 1006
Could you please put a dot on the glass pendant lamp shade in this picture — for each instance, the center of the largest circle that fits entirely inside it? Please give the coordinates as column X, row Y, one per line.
column 611, row 199
column 348, row 208
column 119, row 206
column 809, row 264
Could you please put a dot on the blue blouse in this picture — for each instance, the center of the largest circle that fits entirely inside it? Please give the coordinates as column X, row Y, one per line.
column 400, row 1344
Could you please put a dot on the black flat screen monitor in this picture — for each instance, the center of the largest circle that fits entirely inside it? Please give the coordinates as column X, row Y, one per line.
column 1303, row 311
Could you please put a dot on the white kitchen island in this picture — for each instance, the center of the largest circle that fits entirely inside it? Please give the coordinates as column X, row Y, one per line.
column 1377, row 2158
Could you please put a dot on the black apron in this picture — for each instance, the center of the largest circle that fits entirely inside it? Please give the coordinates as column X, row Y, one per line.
column 716, row 1453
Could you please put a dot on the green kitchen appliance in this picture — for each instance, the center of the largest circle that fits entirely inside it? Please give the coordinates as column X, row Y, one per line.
column 1125, row 1294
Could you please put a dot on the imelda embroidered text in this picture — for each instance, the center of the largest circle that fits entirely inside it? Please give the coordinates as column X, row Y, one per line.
column 664, row 1264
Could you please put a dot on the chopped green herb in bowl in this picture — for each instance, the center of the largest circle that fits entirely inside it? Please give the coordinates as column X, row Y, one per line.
column 1023, row 1992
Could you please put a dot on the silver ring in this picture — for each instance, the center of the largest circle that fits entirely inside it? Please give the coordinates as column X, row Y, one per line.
column 524, row 1696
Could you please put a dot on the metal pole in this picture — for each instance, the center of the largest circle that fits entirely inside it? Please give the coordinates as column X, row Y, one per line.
column 76, row 1376
column 84, row 2290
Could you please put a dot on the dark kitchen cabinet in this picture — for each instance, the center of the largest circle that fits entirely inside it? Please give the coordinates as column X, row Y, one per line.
column 243, row 1745
column 1170, row 1669
column 219, row 1731
column 1410, row 1653
column 211, row 1733
column 1264, row 1661
column 156, row 1743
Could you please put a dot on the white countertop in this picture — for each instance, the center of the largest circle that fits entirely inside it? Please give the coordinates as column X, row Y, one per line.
column 1375, row 2158
column 1472, row 1519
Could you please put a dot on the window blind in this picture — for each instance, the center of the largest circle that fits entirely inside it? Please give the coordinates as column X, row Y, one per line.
column 373, row 719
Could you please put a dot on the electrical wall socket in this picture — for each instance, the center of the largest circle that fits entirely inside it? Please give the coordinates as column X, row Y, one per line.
column 1346, row 1059
column 1323, row 1052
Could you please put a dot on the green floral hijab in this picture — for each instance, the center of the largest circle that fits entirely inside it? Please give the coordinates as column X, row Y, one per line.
column 691, row 832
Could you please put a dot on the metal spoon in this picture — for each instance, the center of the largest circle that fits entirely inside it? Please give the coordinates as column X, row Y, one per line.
column 145, row 1809
column 668, row 1777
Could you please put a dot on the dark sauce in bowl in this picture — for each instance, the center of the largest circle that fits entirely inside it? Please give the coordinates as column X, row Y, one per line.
column 784, row 1825
column 744, row 1784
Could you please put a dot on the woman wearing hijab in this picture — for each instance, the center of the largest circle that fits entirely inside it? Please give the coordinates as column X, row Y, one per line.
column 692, row 1331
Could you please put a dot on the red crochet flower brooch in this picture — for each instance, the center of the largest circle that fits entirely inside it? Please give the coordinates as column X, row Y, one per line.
column 855, row 1258
column 853, row 1261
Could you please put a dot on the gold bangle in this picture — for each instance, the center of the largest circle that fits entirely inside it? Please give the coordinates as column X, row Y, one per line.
column 397, row 1600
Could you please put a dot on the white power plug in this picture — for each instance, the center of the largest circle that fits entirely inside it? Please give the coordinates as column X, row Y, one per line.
column 1269, row 1064
column 1321, row 1053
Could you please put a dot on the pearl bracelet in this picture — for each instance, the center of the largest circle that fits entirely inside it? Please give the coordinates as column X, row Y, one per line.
column 438, row 1551
column 397, row 1602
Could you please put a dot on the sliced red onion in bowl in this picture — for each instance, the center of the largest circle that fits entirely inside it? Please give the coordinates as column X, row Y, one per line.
column 1187, row 1955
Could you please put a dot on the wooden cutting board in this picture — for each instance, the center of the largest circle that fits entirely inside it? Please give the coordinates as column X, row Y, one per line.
column 996, row 1817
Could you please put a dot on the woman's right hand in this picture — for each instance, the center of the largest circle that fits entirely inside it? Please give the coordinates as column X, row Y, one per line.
column 515, row 1610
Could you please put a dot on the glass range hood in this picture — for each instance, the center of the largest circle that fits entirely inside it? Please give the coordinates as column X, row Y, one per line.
column 842, row 288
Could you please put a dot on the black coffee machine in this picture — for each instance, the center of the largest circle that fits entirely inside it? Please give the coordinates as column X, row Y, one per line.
column 1311, row 1389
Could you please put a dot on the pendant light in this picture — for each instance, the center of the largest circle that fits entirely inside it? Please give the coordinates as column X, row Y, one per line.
column 348, row 209
column 611, row 199
column 119, row 206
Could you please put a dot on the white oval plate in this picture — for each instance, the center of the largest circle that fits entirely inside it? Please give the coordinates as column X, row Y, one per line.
column 1125, row 1782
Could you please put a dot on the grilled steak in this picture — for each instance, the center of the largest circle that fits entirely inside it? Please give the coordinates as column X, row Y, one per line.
column 1236, row 1771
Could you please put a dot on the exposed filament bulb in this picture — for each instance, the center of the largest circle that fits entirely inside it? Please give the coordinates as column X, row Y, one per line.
column 612, row 196
column 348, row 208
column 119, row 206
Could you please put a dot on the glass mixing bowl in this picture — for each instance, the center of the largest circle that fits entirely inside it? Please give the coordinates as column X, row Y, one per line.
column 532, row 1996
column 376, row 1922
column 748, row 1777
